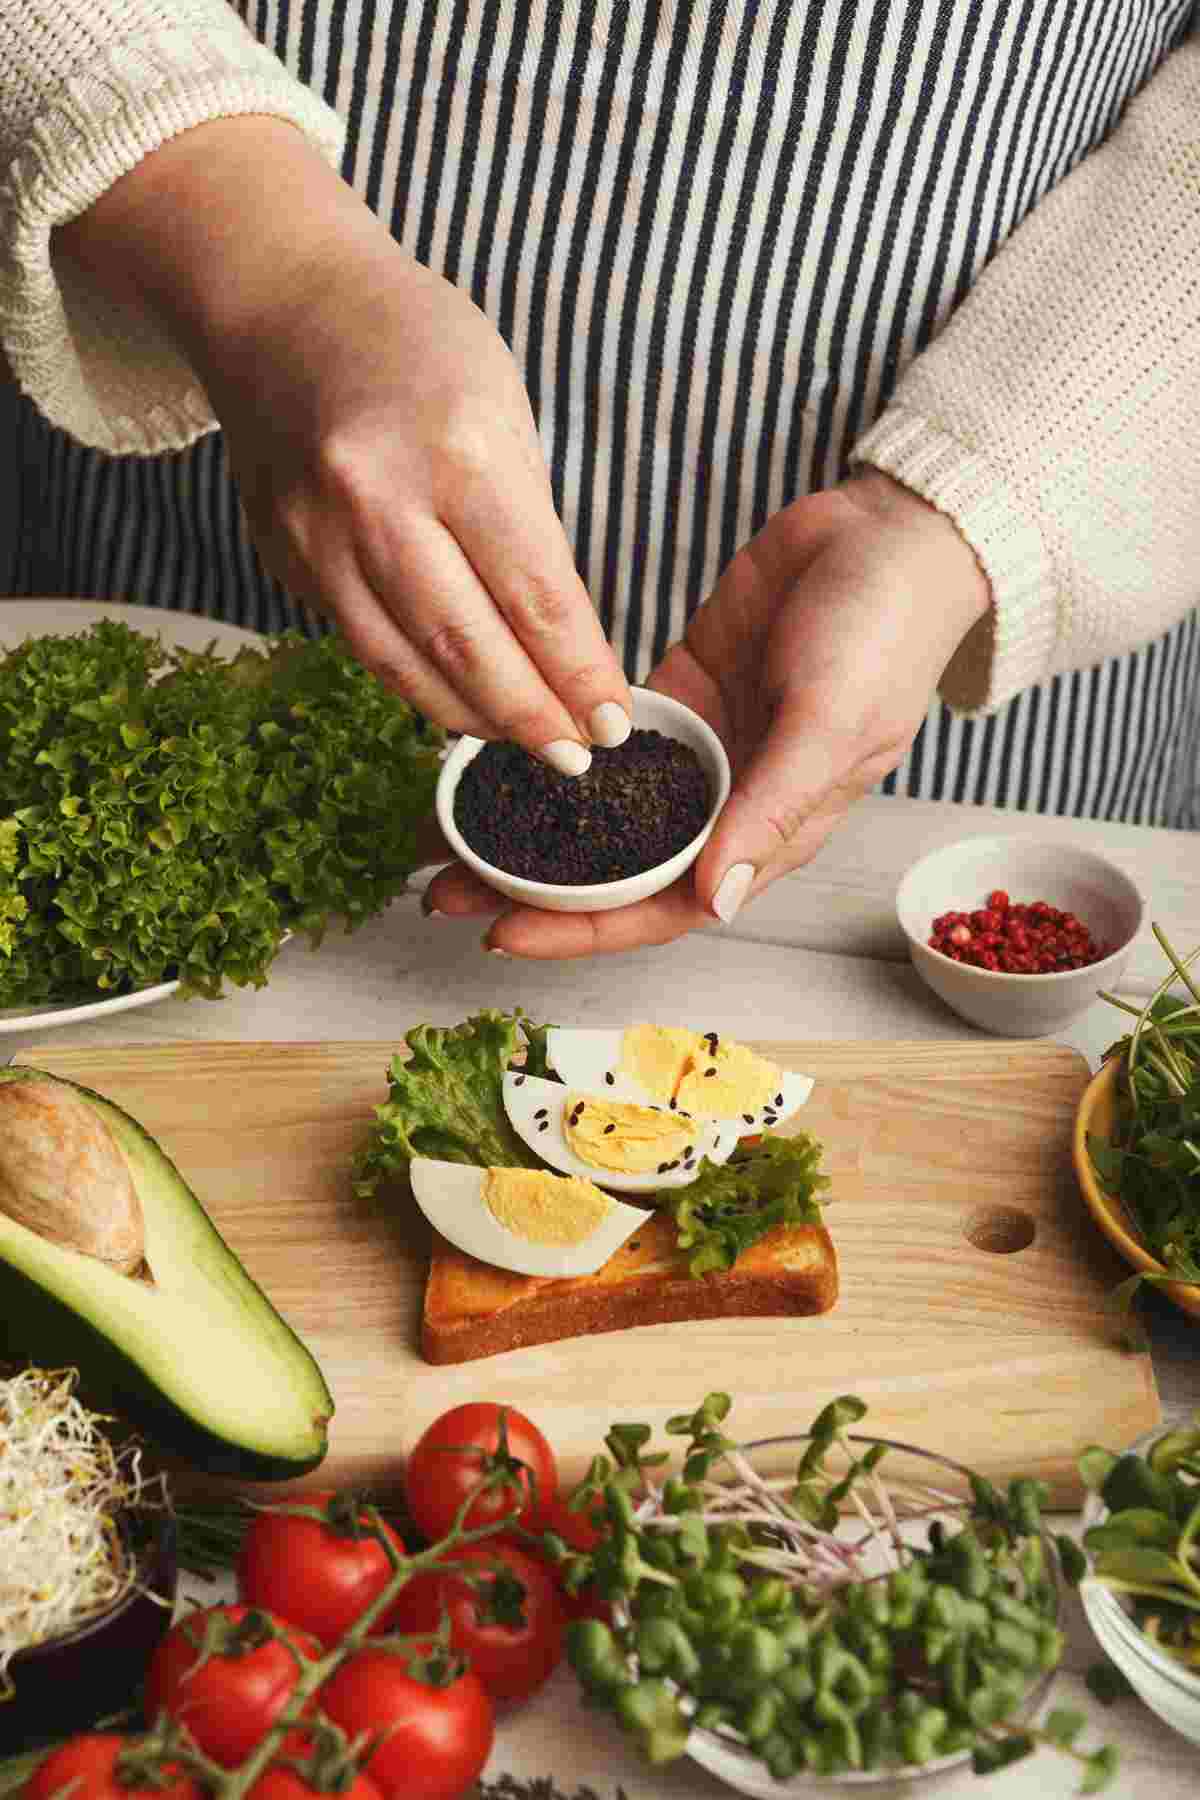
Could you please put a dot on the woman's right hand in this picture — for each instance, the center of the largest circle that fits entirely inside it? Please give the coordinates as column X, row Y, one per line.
column 377, row 424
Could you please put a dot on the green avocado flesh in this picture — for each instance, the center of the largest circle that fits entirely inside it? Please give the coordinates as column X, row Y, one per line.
column 197, row 1358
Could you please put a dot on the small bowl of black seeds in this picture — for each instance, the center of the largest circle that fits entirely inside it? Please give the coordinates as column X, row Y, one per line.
column 585, row 843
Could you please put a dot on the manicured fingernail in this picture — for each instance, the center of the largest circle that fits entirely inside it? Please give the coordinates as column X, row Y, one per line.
column 735, row 885
column 568, row 757
column 493, row 949
column 609, row 725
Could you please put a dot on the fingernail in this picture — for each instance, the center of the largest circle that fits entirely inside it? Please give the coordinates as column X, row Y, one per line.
column 609, row 725
column 568, row 757
column 429, row 909
column 735, row 885
column 493, row 949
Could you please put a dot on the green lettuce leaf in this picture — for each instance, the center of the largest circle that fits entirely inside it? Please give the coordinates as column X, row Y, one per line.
column 171, row 814
column 725, row 1210
column 446, row 1100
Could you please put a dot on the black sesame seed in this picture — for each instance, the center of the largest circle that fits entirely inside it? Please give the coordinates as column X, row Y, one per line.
column 637, row 805
column 663, row 1167
column 749, row 1118
column 779, row 1099
column 770, row 1118
column 673, row 1103
column 541, row 1112
column 545, row 1125
column 609, row 1128
column 690, row 1149
column 519, row 1081
column 609, row 1077
column 709, row 1072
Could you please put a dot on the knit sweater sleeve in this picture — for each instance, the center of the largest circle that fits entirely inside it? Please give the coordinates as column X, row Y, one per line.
column 1056, row 418
column 87, row 89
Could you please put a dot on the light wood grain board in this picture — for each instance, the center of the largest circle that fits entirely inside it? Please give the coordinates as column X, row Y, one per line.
column 944, row 1157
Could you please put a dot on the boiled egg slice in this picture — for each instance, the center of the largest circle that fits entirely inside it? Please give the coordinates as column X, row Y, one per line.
column 526, row 1220
column 632, row 1147
column 711, row 1077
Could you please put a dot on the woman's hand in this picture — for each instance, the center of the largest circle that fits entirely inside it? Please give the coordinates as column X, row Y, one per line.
column 815, row 659
column 383, row 442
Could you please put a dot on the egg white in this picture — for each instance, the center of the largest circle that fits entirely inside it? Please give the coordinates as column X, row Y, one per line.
column 451, row 1197
column 525, row 1095
column 585, row 1058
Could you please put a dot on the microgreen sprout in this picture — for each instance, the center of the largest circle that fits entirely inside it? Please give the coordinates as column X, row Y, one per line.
column 826, row 1619
column 63, row 1489
column 1144, row 1549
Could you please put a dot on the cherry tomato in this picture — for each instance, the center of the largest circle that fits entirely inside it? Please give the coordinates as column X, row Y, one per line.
column 318, row 1574
column 577, row 1531
column 282, row 1782
column 226, row 1698
column 506, row 1615
column 101, row 1765
column 436, row 1735
column 462, row 1448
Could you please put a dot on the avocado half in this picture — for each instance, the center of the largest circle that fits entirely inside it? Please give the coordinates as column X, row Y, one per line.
column 196, row 1358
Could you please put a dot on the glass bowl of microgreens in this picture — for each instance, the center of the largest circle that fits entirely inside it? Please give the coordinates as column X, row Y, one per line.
column 1141, row 1522
column 88, row 1582
column 823, row 1609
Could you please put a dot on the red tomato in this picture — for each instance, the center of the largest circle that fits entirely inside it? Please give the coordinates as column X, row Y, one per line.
column 89, row 1765
column 577, row 1531
column 280, row 1782
column 436, row 1738
column 318, row 1575
column 228, row 1698
column 506, row 1618
column 461, row 1449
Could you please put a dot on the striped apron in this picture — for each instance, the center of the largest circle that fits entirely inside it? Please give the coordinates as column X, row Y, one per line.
column 713, row 236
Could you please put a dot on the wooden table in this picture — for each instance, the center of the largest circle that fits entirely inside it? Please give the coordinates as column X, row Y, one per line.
column 819, row 956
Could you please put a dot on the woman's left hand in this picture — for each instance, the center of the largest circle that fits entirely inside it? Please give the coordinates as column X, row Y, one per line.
column 815, row 659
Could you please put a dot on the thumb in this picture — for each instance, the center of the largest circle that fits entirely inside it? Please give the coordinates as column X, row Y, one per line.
column 782, row 807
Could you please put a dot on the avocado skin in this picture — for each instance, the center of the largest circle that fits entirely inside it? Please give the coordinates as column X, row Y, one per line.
column 39, row 1328
column 36, row 1327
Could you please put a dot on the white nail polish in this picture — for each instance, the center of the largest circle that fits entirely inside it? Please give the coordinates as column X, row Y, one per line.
column 735, row 885
column 568, row 757
column 609, row 725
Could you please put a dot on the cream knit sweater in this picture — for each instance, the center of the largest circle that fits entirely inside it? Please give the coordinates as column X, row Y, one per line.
column 1056, row 419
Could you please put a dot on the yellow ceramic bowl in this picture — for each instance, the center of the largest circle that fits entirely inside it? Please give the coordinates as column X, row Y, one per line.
column 1096, row 1113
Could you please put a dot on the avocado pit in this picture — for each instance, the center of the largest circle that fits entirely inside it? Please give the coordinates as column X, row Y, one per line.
column 62, row 1175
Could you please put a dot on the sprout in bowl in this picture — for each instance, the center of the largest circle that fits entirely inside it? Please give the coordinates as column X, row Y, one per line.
column 827, row 1607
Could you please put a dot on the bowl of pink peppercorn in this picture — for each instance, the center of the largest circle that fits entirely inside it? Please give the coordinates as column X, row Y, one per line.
column 1018, row 935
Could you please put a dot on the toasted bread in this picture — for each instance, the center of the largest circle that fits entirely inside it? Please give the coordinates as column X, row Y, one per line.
column 473, row 1309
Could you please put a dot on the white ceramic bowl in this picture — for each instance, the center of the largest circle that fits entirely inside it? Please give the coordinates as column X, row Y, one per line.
column 1168, row 1689
column 959, row 877
column 651, row 712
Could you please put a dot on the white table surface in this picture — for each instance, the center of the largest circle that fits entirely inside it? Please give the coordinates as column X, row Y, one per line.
column 820, row 955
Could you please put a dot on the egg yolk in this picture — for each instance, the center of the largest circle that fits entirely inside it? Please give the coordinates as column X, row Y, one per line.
column 657, row 1056
column 703, row 1074
column 546, row 1209
column 618, row 1134
column 734, row 1080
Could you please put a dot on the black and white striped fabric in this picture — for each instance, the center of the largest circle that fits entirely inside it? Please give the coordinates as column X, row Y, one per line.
column 713, row 235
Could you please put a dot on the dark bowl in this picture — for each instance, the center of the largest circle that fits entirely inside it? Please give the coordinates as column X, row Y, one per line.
column 69, row 1683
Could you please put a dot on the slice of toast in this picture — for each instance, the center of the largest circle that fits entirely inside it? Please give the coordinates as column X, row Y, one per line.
column 473, row 1309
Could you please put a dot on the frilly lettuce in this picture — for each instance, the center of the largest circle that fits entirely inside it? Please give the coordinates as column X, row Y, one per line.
column 172, row 814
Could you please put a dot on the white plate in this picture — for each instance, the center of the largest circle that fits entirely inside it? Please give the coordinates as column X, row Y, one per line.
column 21, row 619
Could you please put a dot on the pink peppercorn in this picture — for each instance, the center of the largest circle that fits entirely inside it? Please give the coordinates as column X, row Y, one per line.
column 1012, row 938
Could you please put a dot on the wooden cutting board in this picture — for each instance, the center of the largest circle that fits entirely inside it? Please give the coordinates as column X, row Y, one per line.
column 972, row 1315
